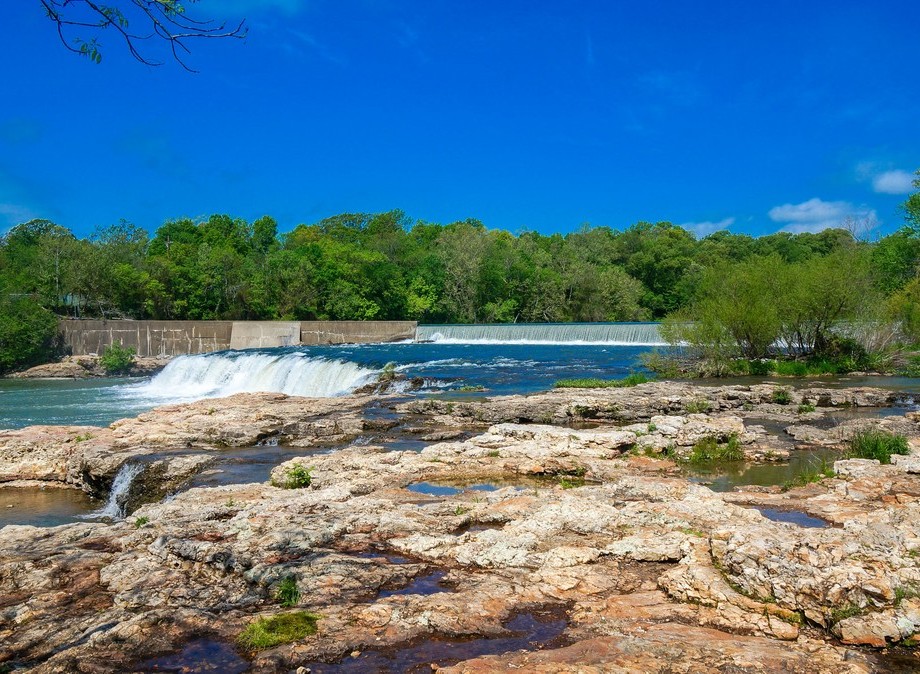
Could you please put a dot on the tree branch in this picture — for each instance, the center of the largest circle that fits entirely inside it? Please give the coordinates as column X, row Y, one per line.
column 163, row 20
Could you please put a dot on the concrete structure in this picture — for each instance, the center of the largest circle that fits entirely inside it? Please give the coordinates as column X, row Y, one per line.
column 148, row 338
column 174, row 338
column 360, row 332
column 259, row 334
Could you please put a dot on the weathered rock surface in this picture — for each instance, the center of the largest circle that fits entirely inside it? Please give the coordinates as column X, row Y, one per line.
column 85, row 367
column 651, row 572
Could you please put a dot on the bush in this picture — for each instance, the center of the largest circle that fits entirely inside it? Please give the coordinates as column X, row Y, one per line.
column 296, row 476
column 708, row 450
column 278, row 629
column 761, row 367
column 117, row 359
column 781, row 396
column 875, row 443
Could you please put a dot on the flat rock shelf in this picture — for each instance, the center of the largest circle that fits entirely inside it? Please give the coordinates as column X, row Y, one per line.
column 562, row 530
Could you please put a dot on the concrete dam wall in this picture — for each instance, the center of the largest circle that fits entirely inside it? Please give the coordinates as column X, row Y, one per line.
column 176, row 338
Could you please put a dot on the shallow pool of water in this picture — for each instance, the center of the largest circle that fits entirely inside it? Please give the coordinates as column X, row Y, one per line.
column 528, row 632
column 426, row 584
column 793, row 517
column 48, row 507
column 727, row 476
column 204, row 656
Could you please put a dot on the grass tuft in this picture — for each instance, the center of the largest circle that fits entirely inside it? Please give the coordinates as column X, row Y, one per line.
column 709, row 450
column 781, row 396
column 288, row 594
column 874, row 443
column 812, row 472
column 634, row 379
column 697, row 406
column 278, row 629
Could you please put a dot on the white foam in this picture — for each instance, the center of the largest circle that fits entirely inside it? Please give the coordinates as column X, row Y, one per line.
column 222, row 374
column 114, row 507
column 545, row 334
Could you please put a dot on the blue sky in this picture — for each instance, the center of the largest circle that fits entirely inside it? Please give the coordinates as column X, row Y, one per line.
column 752, row 116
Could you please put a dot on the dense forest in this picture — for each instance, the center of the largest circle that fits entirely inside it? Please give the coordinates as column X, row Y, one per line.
column 384, row 266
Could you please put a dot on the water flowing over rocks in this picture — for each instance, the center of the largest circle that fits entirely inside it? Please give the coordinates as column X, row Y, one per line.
column 594, row 526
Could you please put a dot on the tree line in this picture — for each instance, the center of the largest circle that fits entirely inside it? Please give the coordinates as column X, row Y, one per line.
column 385, row 266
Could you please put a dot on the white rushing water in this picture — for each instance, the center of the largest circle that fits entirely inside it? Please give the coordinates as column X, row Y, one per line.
column 613, row 334
column 114, row 508
column 222, row 374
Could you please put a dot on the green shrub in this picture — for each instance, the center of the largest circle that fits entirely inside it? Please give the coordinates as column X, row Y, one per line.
column 28, row 334
column 279, row 629
column 296, row 476
column 761, row 367
column 709, row 450
column 140, row 521
column 911, row 368
column 874, row 443
column 117, row 359
column 697, row 406
column 806, row 408
column 781, row 396
column 634, row 379
column 288, row 594
column 663, row 365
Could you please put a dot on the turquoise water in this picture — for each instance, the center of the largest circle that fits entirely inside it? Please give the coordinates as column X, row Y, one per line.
column 321, row 371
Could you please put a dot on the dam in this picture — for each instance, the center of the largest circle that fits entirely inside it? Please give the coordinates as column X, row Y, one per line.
column 181, row 338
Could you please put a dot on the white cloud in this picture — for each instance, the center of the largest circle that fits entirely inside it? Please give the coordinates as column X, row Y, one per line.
column 706, row 228
column 816, row 215
column 893, row 182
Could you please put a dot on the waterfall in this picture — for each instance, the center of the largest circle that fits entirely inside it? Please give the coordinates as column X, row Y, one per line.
column 221, row 374
column 114, row 508
column 614, row 334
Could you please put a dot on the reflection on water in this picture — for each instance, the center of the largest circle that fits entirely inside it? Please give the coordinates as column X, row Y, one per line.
column 794, row 517
column 525, row 632
column 199, row 657
column 40, row 507
column 727, row 476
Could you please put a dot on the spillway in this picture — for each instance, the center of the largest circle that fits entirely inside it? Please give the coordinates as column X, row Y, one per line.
column 615, row 334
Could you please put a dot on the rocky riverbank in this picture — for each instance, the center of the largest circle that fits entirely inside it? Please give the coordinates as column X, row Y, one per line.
column 542, row 533
column 87, row 367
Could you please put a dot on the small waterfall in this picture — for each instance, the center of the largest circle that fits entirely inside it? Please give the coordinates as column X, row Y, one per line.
column 114, row 508
column 221, row 374
column 614, row 334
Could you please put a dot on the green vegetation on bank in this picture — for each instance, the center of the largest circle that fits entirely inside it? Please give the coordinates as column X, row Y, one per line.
column 631, row 380
column 117, row 359
column 731, row 297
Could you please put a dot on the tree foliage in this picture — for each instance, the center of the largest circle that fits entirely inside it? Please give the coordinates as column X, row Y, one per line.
column 733, row 293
